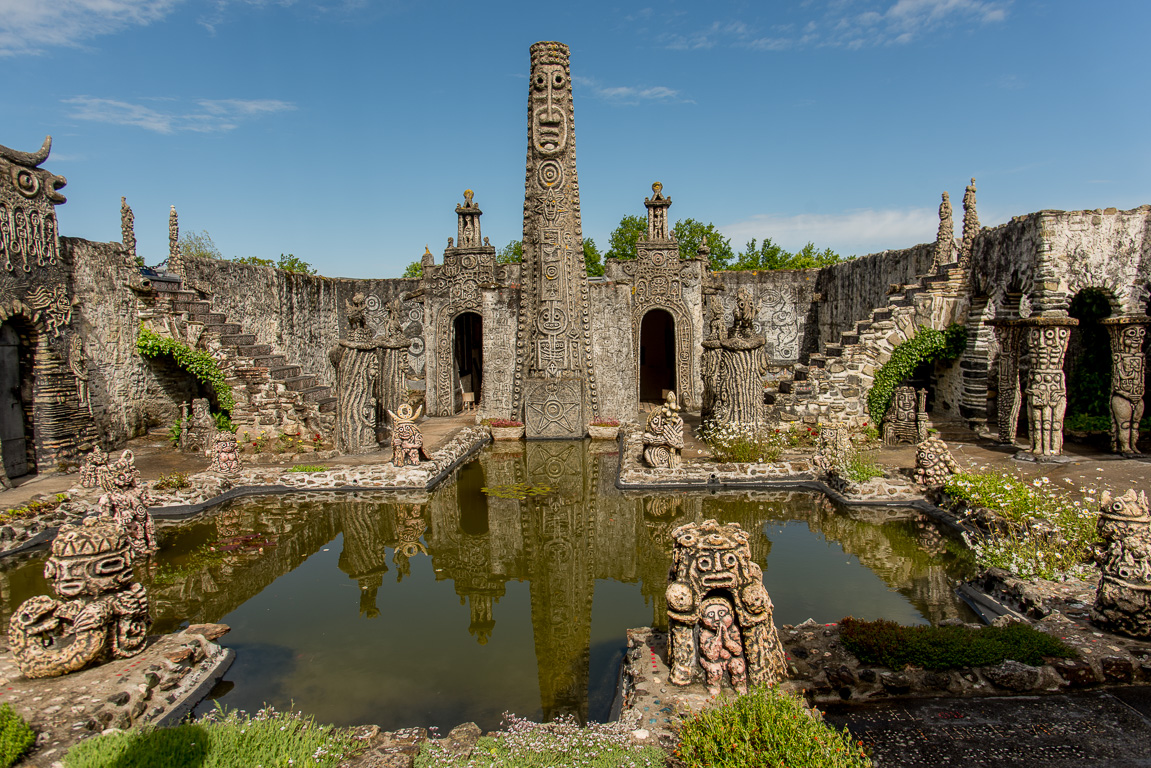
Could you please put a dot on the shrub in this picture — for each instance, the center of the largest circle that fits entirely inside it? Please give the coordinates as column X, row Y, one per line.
column 766, row 727
column 195, row 361
column 174, row 481
column 729, row 442
column 219, row 740
column 926, row 346
column 33, row 508
column 888, row 644
column 16, row 736
column 175, row 431
column 561, row 742
column 862, row 467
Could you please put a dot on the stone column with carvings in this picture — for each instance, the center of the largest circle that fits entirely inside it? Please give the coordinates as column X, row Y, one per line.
column 1046, row 384
column 739, row 396
column 393, row 345
column 356, row 359
column 1128, row 375
column 175, row 259
column 1009, row 399
column 555, row 386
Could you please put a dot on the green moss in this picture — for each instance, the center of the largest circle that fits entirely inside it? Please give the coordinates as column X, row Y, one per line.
column 926, row 346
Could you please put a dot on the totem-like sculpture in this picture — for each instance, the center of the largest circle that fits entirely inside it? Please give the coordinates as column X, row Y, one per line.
column 1123, row 598
column 393, row 346
column 1127, row 381
column 226, row 453
column 945, row 238
column 663, row 436
column 92, row 467
column 555, row 385
column 934, row 464
column 905, row 420
column 128, row 229
column 833, row 448
column 175, row 257
column 123, row 503
column 356, row 359
column 407, row 440
column 99, row 613
column 1046, row 384
column 1009, row 399
column 710, row 362
column 199, row 433
column 737, row 396
column 719, row 614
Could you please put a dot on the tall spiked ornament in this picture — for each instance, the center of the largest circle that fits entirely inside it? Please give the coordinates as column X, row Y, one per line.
column 555, row 387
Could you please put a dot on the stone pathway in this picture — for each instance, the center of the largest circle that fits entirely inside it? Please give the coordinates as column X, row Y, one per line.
column 1098, row 728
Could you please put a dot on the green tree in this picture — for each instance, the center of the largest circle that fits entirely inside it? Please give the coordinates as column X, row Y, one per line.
column 255, row 261
column 592, row 260
column 199, row 245
column 768, row 255
column 293, row 263
column 621, row 242
column 512, row 253
column 689, row 232
column 415, row 269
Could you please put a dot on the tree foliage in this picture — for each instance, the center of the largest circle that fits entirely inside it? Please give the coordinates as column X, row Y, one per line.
column 293, row 263
column 592, row 260
column 768, row 255
column 689, row 232
column 926, row 346
column 198, row 245
column 197, row 362
column 512, row 253
column 415, row 269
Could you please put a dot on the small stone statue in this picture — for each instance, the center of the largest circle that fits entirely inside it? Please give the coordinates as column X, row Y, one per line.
column 407, row 441
column 663, row 436
column 1123, row 598
column 904, row 422
column 99, row 613
column 226, row 454
column 934, row 463
column 1127, row 383
column 357, row 319
column 93, row 465
column 200, row 430
column 123, row 503
column 1047, row 384
column 833, row 449
column 715, row 585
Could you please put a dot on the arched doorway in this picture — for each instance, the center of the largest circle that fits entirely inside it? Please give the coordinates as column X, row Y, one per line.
column 15, row 403
column 468, row 358
column 656, row 355
column 1087, row 366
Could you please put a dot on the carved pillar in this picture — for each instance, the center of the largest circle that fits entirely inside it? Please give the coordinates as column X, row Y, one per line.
column 357, row 365
column 1128, row 372
column 555, row 386
column 739, row 394
column 175, row 258
column 1008, row 334
column 393, row 345
column 1046, row 385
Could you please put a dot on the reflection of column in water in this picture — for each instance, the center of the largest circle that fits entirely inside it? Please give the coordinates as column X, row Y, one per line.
column 367, row 529
column 558, row 531
column 661, row 515
column 410, row 526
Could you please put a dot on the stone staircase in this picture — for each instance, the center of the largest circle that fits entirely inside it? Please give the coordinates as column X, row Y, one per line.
column 833, row 384
column 272, row 395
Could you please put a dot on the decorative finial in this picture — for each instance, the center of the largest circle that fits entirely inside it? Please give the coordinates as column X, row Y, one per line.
column 970, row 226
column 427, row 250
column 468, row 195
column 656, row 188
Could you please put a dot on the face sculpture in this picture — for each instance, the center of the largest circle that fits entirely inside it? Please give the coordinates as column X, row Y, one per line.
column 550, row 95
column 89, row 560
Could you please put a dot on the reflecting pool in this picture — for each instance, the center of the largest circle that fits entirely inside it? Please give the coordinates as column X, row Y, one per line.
column 459, row 605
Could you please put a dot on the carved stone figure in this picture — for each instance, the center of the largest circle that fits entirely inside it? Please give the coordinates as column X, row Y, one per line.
column 92, row 466
column 833, row 448
column 407, row 440
column 123, row 502
column 1046, row 384
column 357, row 320
column 555, row 385
column 1009, row 399
column 934, row 464
column 199, row 433
column 945, row 239
column 27, row 210
column 1127, row 381
column 356, row 359
column 970, row 227
column 79, row 367
column 710, row 361
column 97, row 612
column 737, row 388
column 905, row 422
column 226, row 453
column 663, row 436
column 719, row 614
column 1123, row 598
column 175, row 258
column 128, row 228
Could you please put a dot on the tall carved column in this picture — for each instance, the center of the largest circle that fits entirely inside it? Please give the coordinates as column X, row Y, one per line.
column 711, row 360
column 1128, row 374
column 739, row 396
column 555, row 385
column 356, row 359
column 175, row 259
column 393, row 345
column 1008, row 335
column 1046, row 385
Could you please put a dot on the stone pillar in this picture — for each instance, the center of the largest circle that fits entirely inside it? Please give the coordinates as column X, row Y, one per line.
column 555, row 387
column 1046, row 384
column 175, row 259
column 1008, row 334
column 1128, row 371
column 710, row 360
column 739, row 395
column 393, row 346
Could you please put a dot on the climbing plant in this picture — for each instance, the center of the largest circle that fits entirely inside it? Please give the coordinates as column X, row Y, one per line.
column 195, row 361
column 926, row 346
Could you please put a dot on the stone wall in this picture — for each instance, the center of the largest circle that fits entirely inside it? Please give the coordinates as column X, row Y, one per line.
column 500, row 314
column 786, row 317
column 615, row 363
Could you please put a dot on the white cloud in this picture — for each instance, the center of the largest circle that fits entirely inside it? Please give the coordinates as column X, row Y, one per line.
column 851, row 232
column 630, row 95
column 29, row 26
column 168, row 116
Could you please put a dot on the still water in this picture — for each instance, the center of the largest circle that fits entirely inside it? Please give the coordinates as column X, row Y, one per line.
column 460, row 605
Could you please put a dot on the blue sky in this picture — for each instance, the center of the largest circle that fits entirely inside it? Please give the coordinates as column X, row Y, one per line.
column 345, row 131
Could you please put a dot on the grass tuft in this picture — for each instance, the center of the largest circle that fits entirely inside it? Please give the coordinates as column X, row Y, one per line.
column 16, row 736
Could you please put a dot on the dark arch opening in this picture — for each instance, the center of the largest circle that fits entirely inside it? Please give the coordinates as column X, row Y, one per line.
column 17, row 414
column 656, row 355
column 1087, row 366
column 472, row 501
column 468, row 356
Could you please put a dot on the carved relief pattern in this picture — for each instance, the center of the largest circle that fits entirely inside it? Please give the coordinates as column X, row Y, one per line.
column 1127, row 382
column 1046, row 385
column 1123, row 598
column 458, row 282
column 780, row 322
column 1009, row 398
column 658, row 278
column 554, row 340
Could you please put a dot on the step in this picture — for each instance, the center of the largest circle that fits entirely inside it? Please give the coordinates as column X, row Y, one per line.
column 209, row 318
column 185, row 294
column 238, row 339
column 317, row 394
column 881, row 314
column 848, row 337
column 282, row 372
column 326, row 405
column 269, row 361
column 297, row 383
column 193, row 306
column 833, row 350
column 254, row 350
column 224, row 329
column 816, row 360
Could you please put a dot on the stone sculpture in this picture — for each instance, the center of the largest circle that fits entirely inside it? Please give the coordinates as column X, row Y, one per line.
column 970, row 227
column 833, row 448
column 175, row 257
column 99, row 611
column 226, row 454
column 1127, row 381
column 1009, row 399
column 905, row 420
column 1046, row 384
column 1123, row 598
column 663, row 436
column 555, row 385
column 945, row 238
column 92, row 466
column 737, row 396
column 128, row 229
column 934, row 463
column 356, row 359
column 715, row 587
column 710, row 361
column 199, row 433
column 407, row 440
column 123, row 503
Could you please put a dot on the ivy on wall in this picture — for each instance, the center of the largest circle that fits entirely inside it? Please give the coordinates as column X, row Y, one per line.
column 926, row 346
column 195, row 361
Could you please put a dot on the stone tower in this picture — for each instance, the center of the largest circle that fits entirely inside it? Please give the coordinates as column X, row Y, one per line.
column 555, row 387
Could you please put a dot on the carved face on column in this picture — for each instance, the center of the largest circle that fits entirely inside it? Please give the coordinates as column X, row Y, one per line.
column 550, row 97
column 1131, row 342
column 89, row 560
